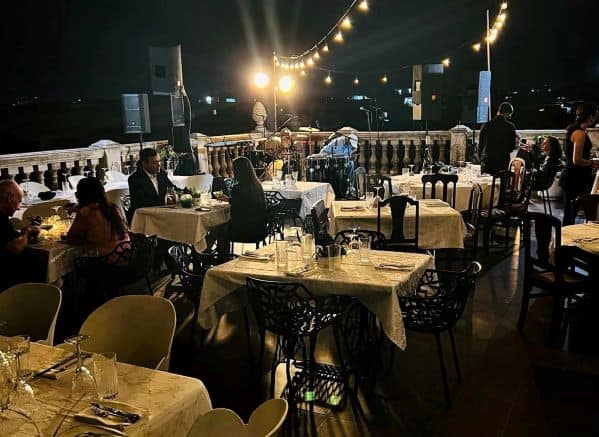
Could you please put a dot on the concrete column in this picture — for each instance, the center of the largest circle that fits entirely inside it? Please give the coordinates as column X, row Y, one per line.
column 459, row 143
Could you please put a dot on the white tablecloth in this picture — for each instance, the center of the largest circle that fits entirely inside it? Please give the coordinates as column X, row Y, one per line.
column 174, row 402
column 440, row 227
column 413, row 186
column 585, row 236
column 184, row 225
column 223, row 289
column 61, row 258
column 309, row 192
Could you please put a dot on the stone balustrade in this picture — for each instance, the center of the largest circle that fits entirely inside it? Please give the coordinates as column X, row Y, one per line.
column 384, row 152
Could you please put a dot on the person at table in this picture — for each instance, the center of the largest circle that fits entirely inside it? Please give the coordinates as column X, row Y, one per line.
column 547, row 164
column 98, row 223
column 14, row 256
column 577, row 177
column 148, row 184
column 497, row 140
column 248, row 207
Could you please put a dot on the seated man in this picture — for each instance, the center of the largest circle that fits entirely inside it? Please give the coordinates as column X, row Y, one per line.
column 344, row 144
column 148, row 185
column 13, row 244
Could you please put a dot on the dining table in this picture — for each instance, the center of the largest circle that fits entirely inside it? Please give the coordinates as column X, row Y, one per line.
column 376, row 286
column 412, row 186
column 583, row 236
column 440, row 226
column 169, row 403
column 183, row 225
column 308, row 192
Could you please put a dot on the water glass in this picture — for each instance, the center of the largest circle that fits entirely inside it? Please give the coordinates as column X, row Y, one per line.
column 308, row 248
column 334, row 256
column 369, row 199
column 281, row 255
column 106, row 375
column 364, row 250
column 405, row 171
column 6, row 380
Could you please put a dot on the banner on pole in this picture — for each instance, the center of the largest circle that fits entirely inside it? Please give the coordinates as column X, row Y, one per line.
column 483, row 109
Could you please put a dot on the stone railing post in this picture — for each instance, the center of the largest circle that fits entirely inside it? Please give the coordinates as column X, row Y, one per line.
column 459, row 143
column 395, row 157
column 362, row 156
column 222, row 163
column 418, row 152
column 215, row 162
column 406, row 152
column 384, row 158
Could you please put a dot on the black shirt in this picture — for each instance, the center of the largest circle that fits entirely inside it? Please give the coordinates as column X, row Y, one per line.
column 497, row 141
column 8, row 260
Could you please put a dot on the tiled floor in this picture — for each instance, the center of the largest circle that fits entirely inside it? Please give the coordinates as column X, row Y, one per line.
column 513, row 385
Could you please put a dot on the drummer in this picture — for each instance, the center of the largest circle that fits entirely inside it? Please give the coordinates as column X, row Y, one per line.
column 344, row 144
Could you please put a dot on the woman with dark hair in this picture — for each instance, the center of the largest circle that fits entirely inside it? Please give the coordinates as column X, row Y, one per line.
column 576, row 179
column 98, row 224
column 549, row 165
column 248, row 206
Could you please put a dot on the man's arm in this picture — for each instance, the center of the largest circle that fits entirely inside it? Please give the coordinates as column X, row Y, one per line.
column 18, row 244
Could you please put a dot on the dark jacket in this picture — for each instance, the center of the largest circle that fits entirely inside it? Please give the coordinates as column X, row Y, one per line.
column 248, row 215
column 497, row 141
column 142, row 191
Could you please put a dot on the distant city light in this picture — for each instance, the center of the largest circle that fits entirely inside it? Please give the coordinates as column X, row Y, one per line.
column 208, row 100
column 230, row 100
column 476, row 47
column 356, row 81
column 328, row 80
column 446, row 62
column 363, row 6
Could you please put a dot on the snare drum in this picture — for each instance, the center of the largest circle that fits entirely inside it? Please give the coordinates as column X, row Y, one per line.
column 317, row 168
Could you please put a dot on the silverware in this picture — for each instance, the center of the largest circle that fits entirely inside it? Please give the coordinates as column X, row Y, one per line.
column 61, row 362
column 402, row 267
column 106, row 410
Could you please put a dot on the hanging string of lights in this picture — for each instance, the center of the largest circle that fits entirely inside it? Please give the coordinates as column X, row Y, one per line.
column 311, row 56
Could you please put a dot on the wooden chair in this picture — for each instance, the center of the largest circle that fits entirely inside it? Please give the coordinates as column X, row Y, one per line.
column 397, row 240
column 444, row 179
column 497, row 213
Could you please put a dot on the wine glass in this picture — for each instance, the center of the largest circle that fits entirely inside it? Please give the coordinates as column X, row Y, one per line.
column 294, row 174
column 105, row 175
column 23, row 397
column 411, row 167
column 25, row 186
column 6, row 381
column 83, row 384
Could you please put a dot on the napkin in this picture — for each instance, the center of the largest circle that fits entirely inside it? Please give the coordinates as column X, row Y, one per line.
column 89, row 416
column 352, row 208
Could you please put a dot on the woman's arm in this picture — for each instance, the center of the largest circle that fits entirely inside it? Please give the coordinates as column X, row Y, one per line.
column 77, row 234
column 578, row 139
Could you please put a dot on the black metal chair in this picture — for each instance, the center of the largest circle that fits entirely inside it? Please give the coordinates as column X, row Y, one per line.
column 553, row 279
column 375, row 181
column 439, row 303
column 589, row 203
column 496, row 214
column 191, row 270
column 293, row 314
column 320, row 224
column 222, row 184
column 126, row 202
column 282, row 209
column 445, row 179
column 397, row 240
column 519, row 207
column 377, row 240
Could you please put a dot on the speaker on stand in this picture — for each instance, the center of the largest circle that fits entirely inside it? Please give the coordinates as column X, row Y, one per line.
column 136, row 115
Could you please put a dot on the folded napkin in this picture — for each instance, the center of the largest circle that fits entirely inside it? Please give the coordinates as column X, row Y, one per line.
column 352, row 208
column 391, row 266
column 101, row 416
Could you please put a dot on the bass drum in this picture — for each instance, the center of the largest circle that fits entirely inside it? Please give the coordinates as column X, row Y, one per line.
column 317, row 168
column 339, row 174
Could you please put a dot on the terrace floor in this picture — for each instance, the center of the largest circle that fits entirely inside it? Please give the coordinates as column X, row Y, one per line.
column 512, row 384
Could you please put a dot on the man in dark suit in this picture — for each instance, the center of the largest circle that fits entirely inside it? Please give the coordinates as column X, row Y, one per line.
column 148, row 185
column 498, row 140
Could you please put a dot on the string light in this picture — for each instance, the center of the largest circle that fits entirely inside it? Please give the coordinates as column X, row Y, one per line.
column 285, row 84
column 346, row 23
column 446, row 62
column 476, row 47
column 310, row 62
column 328, row 80
column 503, row 6
column 325, row 48
column 316, row 55
column 338, row 37
column 363, row 6
column 302, row 73
column 384, row 79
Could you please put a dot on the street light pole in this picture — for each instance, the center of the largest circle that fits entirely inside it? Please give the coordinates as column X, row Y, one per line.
column 489, row 61
column 274, row 88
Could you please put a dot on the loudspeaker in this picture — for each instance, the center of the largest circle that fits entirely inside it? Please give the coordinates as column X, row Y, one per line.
column 427, row 87
column 136, row 113
column 166, row 69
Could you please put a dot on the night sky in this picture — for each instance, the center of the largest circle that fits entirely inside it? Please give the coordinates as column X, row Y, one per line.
column 98, row 49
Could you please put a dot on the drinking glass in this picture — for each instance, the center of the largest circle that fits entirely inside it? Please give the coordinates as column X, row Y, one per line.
column 293, row 233
column 289, row 182
column 308, row 249
column 294, row 175
column 82, row 384
column 279, row 175
column 334, row 256
column 364, row 250
column 23, row 397
column 6, row 380
column 106, row 375
column 369, row 199
column 411, row 167
column 405, row 171
column 281, row 255
column 353, row 248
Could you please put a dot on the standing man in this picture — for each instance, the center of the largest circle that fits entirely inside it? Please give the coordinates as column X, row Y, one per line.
column 148, row 185
column 498, row 140
column 13, row 244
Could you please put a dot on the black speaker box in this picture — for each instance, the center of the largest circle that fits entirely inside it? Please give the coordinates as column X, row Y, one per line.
column 427, row 89
column 136, row 113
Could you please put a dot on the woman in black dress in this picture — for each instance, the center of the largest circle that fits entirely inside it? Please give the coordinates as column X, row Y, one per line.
column 576, row 178
column 548, row 164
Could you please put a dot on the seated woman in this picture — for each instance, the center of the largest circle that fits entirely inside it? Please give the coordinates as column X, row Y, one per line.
column 549, row 164
column 248, row 206
column 98, row 224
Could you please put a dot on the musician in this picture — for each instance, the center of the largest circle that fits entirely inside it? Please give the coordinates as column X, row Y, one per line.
column 344, row 144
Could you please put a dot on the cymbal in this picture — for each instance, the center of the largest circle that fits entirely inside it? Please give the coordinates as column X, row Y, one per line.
column 308, row 129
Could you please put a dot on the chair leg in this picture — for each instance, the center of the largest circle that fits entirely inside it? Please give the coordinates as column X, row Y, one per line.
column 549, row 203
column 455, row 356
column 194, row 320
column 248, row 337
column 443, row 372
column 523, row 308
column 486, row 237
column 149, row 284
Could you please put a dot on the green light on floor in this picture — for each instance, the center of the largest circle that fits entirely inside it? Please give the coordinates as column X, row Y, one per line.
column 334, row 400
column 309, row 396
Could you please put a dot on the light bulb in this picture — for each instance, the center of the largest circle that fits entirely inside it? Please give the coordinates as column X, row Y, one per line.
column 310, row 62
column 356, row 81
column 325, row 48
column 316, row 55
column 328, row 80
column 338, row 37
column 363, row 6
column 476, row 47
column 261, row 79
column 346, row 23
column 446, row 62
column 384, row 79
column 285, row 84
